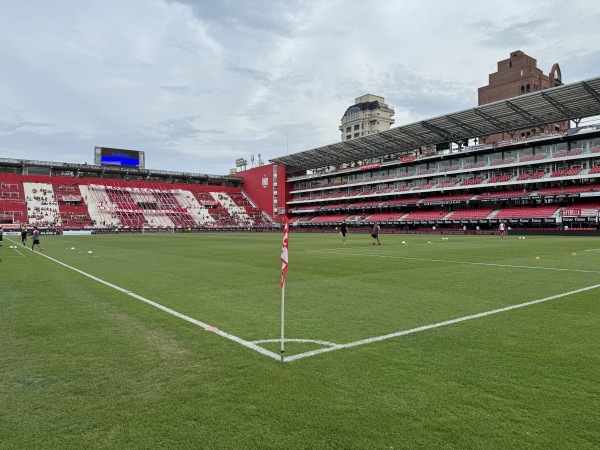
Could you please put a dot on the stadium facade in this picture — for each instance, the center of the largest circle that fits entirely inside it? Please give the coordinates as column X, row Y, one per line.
column 431, row 173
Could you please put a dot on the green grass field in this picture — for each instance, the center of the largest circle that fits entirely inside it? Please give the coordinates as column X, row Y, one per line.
column 87, row 363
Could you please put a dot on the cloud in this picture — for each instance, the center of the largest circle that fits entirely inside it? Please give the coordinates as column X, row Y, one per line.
column 197, row 84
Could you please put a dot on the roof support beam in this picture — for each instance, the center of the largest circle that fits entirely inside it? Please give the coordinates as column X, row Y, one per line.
column 524, row 114
column 464, row 126
column 492, row 120
column 437, row 130
column 591, row 91
column 562, row 108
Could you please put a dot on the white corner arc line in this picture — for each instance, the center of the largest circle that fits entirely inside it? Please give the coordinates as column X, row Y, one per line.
column 304, row 341
column 231, row 337
column 439, row 324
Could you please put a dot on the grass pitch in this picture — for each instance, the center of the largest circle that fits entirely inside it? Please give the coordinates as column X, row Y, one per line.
column 87, row 364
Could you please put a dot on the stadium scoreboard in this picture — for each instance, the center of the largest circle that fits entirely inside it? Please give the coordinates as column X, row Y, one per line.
column 105, row 156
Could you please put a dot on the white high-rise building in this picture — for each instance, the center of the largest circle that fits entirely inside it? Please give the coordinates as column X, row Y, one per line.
column 368, row 115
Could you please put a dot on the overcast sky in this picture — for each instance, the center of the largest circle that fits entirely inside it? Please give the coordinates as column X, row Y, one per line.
column 197, row 84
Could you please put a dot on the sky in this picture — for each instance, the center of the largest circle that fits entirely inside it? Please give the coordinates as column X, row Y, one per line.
column 197, row 84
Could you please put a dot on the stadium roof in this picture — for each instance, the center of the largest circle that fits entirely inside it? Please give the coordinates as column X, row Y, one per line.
column 568, row 102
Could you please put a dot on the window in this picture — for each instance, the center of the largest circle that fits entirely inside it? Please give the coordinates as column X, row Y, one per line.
column 356, row 135
column 356, row 127
column 348, row 129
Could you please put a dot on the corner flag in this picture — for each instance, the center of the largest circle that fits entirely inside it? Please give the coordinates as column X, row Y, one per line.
column 284, row 252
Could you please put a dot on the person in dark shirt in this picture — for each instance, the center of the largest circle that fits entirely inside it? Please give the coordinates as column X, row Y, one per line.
column 375, row 234
column 23, row 236
column 343, row 231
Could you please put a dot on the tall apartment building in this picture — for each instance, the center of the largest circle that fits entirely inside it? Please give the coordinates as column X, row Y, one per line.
column 516, row 76
column 368, row 115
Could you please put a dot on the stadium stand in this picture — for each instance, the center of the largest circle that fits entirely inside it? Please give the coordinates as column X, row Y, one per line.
column 106, row 203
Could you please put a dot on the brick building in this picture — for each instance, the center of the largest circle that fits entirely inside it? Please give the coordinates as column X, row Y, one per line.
column 519, row 75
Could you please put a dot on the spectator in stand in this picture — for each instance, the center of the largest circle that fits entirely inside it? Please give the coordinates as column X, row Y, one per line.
column 36, row 239
column 1, row 233
column 375, row 234
column 343, row 231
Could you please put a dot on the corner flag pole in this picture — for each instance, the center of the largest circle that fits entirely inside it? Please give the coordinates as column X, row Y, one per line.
column 282, row 322
column 284, row 266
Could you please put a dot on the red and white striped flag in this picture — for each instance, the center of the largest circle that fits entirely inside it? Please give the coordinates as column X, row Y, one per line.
column 284, row 251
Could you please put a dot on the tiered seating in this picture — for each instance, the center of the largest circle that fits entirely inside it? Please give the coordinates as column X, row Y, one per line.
column 593, row 170
column 569, row 189
column 334, row 206
column 335, row 218
column 501, row 194
column 423, row 186
column 42, row 207
column 447, row 198
column 205, row 199
column 306, row 208
column 531, row 175
column 446, row 184
column 299, row 219
column 222, row 218
column 472, row 181
column 500, row 178
column 498, row 162
column 64, row 192
column 566, row 172
column 75, row 216
column 355, row 218
column 480, row 213
column 426, row 172
column 474, row 165
column 405, row 174
column 368, row 204
column 535, row 157
column 518, row 212
column 76, row 203
column 384, row 217
column 402, row 188
column 585, row 206
column 560, row 154
column 596, row 149
column 575, row 152
column 12, row 191
column 425, row 215
column 449, row 169
column 13, row 211
column 401, row 201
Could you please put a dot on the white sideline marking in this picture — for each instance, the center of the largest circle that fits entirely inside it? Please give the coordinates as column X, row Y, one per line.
column 17, row 249
column 436, row 325
column 231, row 337
column 334, row 252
